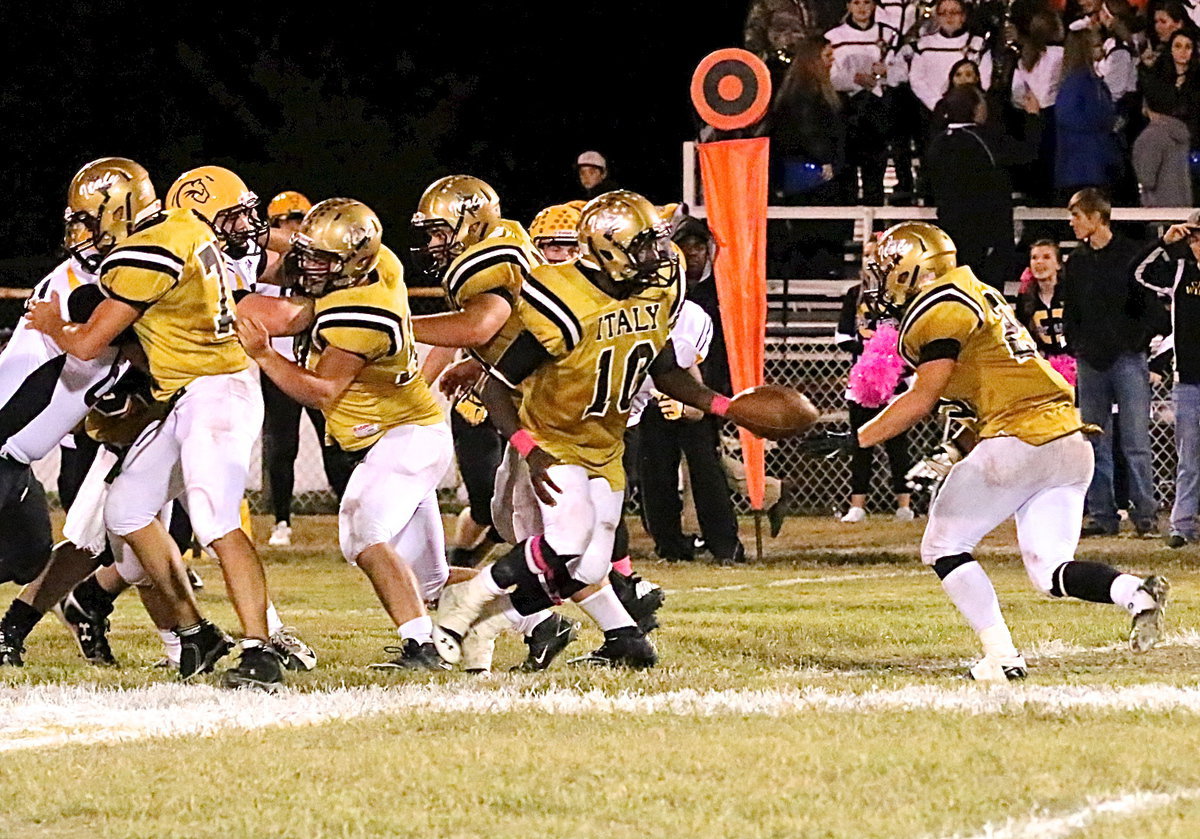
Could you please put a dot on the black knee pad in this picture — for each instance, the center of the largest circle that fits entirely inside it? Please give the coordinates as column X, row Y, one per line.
column 946, row 564
column 533, row 591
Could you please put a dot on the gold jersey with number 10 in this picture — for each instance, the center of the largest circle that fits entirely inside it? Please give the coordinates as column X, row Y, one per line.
column 372, row 321
column 1000, row 386
column 172, row 271
column 577, row 404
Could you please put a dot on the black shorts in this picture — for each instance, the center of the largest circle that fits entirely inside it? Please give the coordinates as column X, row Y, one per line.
column 25, row 537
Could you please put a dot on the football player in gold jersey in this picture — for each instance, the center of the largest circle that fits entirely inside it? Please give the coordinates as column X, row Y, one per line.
column 481, row 259
column 1029, row 458
column 361, row 371
column 590, row 332
column 169, row 281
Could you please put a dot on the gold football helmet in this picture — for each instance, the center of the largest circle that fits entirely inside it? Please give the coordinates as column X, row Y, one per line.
column 454, row 213
column 904, row 255
column 336, row 247
column 106, row 198
column 621, row 233
column 223, row 199
column 288, row 205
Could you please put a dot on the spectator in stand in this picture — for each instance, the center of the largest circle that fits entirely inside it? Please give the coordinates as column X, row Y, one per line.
column 1160, row 153
column 933, row 55
column 808, row 147
column 774, row 26
column 1170, row 267
column 808, row 137
column 1036, row 78
column 854, row 329
column 904, row 109
column 1177, row 71
column 968, row 166
column 864, row 63
column 1117, row 64
column 1039, row 301
column 1169, row 18
column 592, row 169
column 281, row 413
column 1108, row 321
column 1084, row 115
column 786, row 28
column 964, row 73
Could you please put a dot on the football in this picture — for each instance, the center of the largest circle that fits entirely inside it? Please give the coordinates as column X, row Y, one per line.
column 773, row 411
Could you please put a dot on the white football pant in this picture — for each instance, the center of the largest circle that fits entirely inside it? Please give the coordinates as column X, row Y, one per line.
column 200, row 450
column 1042, row 486
column 392, row 497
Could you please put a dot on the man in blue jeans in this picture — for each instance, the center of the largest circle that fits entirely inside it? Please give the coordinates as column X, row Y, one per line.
column 1169, row 267
column 1108, row 320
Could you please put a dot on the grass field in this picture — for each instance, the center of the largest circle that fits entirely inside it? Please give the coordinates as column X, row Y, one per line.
column 819, row 693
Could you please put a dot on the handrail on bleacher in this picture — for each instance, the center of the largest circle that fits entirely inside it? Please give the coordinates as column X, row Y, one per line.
column 868, row 215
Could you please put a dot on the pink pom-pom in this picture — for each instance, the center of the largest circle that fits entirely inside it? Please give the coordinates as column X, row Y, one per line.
column 1066, row 367
column 874, row 377
column 1027, row 281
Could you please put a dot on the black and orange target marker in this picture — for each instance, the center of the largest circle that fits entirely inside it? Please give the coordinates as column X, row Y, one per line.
column 731, row 89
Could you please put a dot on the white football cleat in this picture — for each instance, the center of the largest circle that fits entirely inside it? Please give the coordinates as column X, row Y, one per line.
column 479, row 645
column 904, row 514
column 281, row 535
column 999, row 670
column 854, row 515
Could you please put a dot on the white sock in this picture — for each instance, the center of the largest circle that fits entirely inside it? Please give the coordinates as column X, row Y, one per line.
column 606, row 610
column 1124, row 591
column 488, row 582
column 274, row 624
column 524, row 623
column 997, row 642
column 971, row 591
column 418, row 629
column 171, row 645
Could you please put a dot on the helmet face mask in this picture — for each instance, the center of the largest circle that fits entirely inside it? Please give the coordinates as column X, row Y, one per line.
column 337, row 247
column 106, row 198
column 240, row 226
column 454, row 213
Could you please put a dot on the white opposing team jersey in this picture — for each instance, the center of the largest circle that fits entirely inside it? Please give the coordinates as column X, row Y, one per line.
column 45, row 393
column 246, row 270
column 691, row 336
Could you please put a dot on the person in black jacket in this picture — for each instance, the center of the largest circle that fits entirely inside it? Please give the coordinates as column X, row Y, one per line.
column 968, row 170
column 1169, row 267
column 1108, row 320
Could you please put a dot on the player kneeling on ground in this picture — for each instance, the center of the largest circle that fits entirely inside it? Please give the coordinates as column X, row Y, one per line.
column 1031, row 460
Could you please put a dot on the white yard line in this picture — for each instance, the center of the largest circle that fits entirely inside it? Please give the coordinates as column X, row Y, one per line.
column 1062, row 826
column 46, row 716
column 799, row 581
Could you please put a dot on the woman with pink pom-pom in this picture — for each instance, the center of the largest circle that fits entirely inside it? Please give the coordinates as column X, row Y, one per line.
column 1040, row 308
column 877, row 373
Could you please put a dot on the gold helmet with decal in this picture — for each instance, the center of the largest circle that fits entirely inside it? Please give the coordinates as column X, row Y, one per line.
column 621, row 233
column 223, row 199
column 336, row 247
column 904, row 256
column 454, row 213
column 288, row 205
column 106, row 198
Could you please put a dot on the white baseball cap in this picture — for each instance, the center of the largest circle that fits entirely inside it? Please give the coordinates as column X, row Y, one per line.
column 592, row 158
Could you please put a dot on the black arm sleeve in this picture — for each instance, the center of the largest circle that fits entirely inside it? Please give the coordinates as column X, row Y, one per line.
column 523, row 356
column 941, row 348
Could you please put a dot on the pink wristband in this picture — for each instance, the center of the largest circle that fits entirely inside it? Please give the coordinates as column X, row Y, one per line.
column 720, row 405
column 523, row 442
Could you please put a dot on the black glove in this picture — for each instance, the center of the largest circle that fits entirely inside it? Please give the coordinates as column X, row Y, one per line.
column 830, row 444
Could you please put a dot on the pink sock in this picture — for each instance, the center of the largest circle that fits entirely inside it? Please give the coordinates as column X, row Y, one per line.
column 623, row 566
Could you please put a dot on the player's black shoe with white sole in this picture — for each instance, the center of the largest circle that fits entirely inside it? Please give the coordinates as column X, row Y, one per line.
column 548, row 639
column 413, row 655
column 200, row 648
column 259, row 667
column 624, row 647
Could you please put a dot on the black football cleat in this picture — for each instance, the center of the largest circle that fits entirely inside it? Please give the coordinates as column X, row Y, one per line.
column 201, row 647
column 90, row 631
column 548, row 639
column 10, row 652
column 641, row 598
column 625, row 647
column 296, row 654
column 413, row 655
column 259, row 667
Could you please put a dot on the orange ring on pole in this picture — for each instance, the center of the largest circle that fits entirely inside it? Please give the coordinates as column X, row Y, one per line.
column 731, row 89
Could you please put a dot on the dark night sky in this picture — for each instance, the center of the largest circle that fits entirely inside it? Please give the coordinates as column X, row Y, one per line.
column 372, row 101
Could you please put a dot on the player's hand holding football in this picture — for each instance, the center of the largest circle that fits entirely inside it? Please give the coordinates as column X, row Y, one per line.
column 254, row 337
